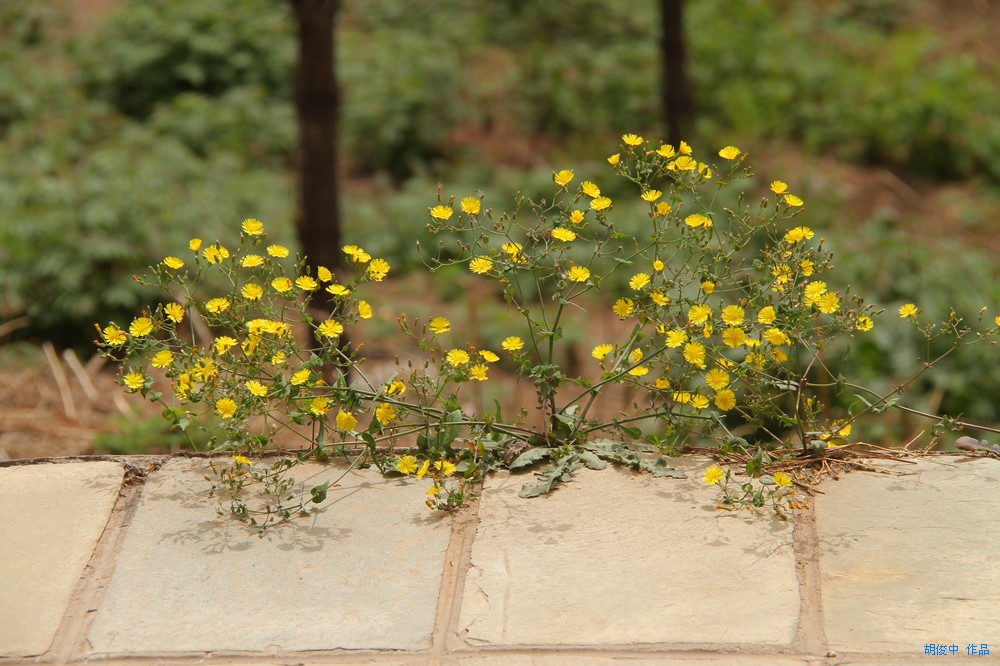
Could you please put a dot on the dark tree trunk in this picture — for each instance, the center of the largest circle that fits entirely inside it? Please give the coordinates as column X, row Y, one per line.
column 678, row 102
column 316, row 106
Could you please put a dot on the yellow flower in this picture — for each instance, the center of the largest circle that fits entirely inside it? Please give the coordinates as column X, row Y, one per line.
column 639, row 281
column 205, row 369
column 512, row 343
column 162, row 359
column 364, row 310
column 779, row 187
column 717, row 379
column 281, row 284
column 681, row 397
column 793, row 200
column 828, row 303
column 441, row 212
column 781, row 479
column 320, row 406
column 277, row 251
column 623, row 307
column 253, row 227
column 733, row 336
column 635, row 355
column 725, row 400
column 578, row 274
column 908, row 310
column 729, row 153
column 423, row 469
column 562, row 178
column 807, row 267
column 251, row 291
column 600, row 203
column 797, row 234
column 226, row 407
column 242, row 460
column 489, row 356
column 338, row 290
column 195, row 244
column 676, row 338
column 217, row 305
column 330, row 328
column 480, row 265
column 576, row 217
column 300, row 377
column 224, row 343
column 385, row 413
column 346, row 421
column 324, row 274
column 864, row 323
column 766, row 315
column 662, row 384
column 683, row 163
column 658, row 298
column 406, row 464
column 252, row 261
column 439, row 325
column 708, row 286
column 563, row 234
column 755, row 360
column 471, row 205
column 601, row 351
column 173, row 262
column 694, row 353
column 215, row 253
column 713, row 475
column 684, row 149
column 174, row 312
column 662, row 208
column 813, row 291
column 278, row 358
column 457, row 357
column 514, row 250
column 639, row 371
column 699, row 401
column 256, row 388
column 632, row 140
column 658, row 265
column 140, row 327
column 777, row 337
column 614, row 159
column 378, row 269
column 478, row 372
column 666, row 151
column 395, row 387
column 699, row 314
column 134, row 380
column 732, row 315
column 306, row 283
column 651, row 195
column 996, row 320
column 446, row 467
column 114, row 336
column 590, row 189
column 697, row 220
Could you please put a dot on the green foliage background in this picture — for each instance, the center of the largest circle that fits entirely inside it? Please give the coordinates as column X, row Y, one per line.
column 173, row 119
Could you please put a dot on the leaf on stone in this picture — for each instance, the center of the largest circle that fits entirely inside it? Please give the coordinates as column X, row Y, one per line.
column 530, row 457
column 591, row 460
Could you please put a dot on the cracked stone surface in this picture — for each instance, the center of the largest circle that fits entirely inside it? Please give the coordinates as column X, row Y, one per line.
column 616, row 557
column 911, row 560
column 56, row 513
column 362, row 572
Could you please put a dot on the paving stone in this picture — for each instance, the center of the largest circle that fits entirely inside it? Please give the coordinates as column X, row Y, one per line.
column 578, row 659
column 54, row 515
column 616, row 557
column 364, row 572
column 911, row 560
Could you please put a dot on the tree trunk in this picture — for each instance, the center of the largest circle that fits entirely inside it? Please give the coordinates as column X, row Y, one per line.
column 316, row 105
column 678, row 102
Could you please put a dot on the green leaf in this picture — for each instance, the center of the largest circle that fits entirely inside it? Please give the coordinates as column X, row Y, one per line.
column 591, row 460
column 530, row 457
column 318, row 493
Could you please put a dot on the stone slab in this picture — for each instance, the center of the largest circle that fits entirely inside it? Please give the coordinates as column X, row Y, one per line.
column 362, row 573
column 910, row 560
column 578, row 659
column 616, row 558
column 54, row 514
